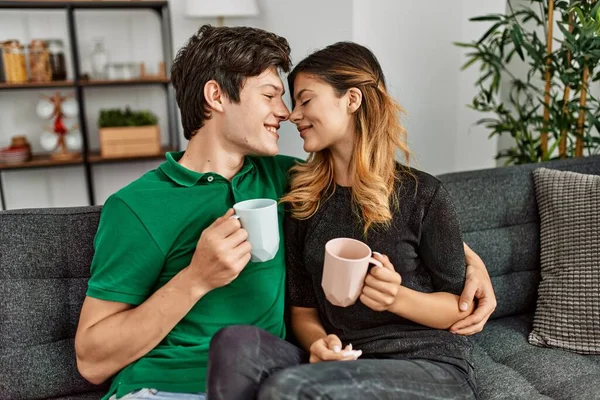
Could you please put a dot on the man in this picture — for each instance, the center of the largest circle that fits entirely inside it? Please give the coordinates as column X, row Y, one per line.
column 171, row 267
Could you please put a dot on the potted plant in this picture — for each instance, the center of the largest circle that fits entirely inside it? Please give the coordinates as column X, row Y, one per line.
column 127, row 133
column 549, row 111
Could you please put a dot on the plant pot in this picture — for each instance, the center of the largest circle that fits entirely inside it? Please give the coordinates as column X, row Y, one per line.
column 130, row 141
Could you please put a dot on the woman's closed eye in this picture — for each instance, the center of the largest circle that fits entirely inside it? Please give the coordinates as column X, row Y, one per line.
column 305, row 102
column 269, row 96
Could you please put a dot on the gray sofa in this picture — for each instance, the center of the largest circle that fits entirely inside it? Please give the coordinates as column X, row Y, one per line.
column 44, row 265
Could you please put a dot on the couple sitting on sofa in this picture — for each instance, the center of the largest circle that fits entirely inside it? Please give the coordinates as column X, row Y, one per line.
column 172, row 268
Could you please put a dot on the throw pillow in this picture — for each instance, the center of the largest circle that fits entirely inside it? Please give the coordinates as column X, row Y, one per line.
column 568, row 305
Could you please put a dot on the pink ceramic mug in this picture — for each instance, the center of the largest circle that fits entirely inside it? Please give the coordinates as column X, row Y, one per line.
column 344, row 271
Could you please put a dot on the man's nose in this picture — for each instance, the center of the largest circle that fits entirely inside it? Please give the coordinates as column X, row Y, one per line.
column 283, row 113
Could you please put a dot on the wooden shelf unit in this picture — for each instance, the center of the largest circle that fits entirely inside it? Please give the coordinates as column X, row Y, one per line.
column 161, row 8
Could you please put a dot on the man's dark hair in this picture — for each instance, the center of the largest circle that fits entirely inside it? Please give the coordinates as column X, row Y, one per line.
column 228, row 55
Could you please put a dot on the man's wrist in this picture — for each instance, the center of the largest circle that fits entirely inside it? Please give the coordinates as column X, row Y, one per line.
column 190, row 284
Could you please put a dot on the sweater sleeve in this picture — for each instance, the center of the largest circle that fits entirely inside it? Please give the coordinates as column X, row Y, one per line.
column 441, row 245
column 299, row 282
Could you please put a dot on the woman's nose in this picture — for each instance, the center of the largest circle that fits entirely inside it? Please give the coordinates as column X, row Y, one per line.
column 296, row 116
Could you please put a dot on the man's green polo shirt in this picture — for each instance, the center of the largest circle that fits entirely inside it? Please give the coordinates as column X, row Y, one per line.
column 148, row 233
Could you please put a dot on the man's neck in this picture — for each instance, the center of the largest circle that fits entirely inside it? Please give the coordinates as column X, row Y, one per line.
column 205, row 153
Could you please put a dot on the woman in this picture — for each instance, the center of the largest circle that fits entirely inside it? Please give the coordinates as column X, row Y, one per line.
column 351, row 186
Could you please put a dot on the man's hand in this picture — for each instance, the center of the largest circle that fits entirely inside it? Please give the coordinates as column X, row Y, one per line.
column 221, row 253
column 478, row 285
column 330, row 349
column 381, row 285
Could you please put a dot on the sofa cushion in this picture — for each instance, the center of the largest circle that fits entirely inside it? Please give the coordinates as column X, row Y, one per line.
column 508, row 367
column 84, row 396
column 45, row 258
column 568, row 306
column 499, row 219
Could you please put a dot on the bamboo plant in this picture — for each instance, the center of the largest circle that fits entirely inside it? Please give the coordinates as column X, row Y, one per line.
column 549, row 111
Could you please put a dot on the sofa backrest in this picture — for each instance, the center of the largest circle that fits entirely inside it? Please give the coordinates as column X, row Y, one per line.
column 45, row 255
column 45, row 258
column 500, row 221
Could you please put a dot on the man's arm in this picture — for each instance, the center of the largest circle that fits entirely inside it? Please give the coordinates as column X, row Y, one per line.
column 477, row 285
column 111, row 335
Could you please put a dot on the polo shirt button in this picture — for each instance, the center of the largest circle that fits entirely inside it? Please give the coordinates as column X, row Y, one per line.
column 210, row 178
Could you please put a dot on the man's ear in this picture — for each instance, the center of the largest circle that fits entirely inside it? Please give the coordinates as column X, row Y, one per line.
column 213, row 95
column 354, row 99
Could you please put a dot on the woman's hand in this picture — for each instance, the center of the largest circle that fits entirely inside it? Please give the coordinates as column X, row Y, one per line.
column 381, row 285
column 329, row 348
column 477, row 285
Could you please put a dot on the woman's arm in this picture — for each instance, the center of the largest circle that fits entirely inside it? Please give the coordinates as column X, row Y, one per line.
column 304, row 316
column 307, row 326
column 383, row 292
column 309, row 331
column 442, row 254
column 437, row 310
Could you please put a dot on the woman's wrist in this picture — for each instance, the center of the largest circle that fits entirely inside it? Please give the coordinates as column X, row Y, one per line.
column 400, row 302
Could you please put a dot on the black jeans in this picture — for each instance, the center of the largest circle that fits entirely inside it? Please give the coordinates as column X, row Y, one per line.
column 247, row 363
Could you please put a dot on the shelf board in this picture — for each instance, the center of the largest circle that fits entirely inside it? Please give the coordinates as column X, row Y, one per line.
column 82, row 4
column 96, row 158
column 99, row 83
column 36, row 85
column 92, row 83
column 42, row 160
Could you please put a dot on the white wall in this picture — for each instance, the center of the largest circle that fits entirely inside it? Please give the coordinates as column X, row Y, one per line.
column 413, row 40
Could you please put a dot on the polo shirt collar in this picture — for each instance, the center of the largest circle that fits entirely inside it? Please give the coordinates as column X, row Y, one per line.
column 188, row 178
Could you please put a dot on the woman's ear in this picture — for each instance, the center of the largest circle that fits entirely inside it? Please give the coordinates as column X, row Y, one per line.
column 354, row 99
column 213, row 95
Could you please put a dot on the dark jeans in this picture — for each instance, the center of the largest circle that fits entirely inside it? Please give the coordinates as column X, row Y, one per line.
column 246, row 362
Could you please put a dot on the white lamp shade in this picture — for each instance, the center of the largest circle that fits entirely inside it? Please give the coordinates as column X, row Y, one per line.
column 221, row 8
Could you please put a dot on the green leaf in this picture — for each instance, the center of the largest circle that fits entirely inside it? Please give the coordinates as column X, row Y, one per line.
column 469, row 63
column 490, row 31
column 489, row 17
column 579, row 14
column 466, row 45
column 517, row 37
column 568, row 35
column 596, row 10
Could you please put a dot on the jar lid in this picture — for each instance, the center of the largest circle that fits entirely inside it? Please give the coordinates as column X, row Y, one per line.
column 37, row 43
column 54, row 45
column 12, row 43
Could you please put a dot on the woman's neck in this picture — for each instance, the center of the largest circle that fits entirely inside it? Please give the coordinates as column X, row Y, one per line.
column 342, row 155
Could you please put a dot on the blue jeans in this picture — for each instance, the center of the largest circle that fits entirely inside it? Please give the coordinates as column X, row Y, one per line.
column 248, row 363
column 153, row 394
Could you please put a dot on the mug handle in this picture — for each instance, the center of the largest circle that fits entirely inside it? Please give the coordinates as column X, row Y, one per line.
column 374, row 261
column 235, row 216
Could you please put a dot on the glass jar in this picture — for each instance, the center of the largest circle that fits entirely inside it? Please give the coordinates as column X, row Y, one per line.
column 39, row 62
column 99, row 60
column 13, row 58
column 58, row 63
column 2, row 74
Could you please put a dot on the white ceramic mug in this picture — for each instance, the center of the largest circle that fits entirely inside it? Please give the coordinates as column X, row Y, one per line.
column 259, row 218
column 344, row 271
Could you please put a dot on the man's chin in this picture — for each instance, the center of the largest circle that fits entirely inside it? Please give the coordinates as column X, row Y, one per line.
column 265, row 152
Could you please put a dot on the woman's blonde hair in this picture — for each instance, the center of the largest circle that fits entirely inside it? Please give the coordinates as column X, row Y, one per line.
column 379, row 135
